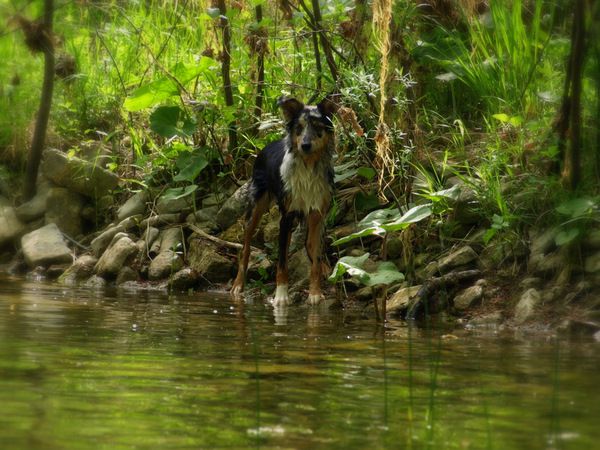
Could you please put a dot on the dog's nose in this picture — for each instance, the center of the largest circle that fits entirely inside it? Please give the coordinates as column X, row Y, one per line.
column 306, row 147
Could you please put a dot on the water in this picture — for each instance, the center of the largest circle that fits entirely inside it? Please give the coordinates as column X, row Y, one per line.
column 94, row 370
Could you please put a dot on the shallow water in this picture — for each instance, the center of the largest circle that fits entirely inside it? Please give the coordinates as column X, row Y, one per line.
column 91, row 370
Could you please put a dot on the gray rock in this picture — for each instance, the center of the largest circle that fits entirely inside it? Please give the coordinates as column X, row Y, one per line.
column 171, row 205
column 95, row 282
column 492, row 320
column 80, row 270
column 530, row 282
column 234, row 207
column 592, row 263
column 207, row 262
column 401, row 299
column 365, row 293
column 205, row 219
column 526, row 305
column 468, row 297
column 542, row 242
column 135, row 205
column 77, row 174
column 95, row 152
column 159, row 220
column 171, row 239
column 460, row 257
column 165, row 264
column 36, row 207
column 299, row 269
column 101, row 242
column 10, row 225
column 118, row 255
column 547, row 265
column 125, row 275
column 466, row 208
column 45, row 246
column 63, row 207
column 183, row 280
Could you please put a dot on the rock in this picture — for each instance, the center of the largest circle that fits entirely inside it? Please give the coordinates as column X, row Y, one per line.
column 542, row 242
column 299, row 269
column 235, row 233
column 465, row 207
column 125, row 275
column 45, row 246
column 530, row 282
column 233, row 208
column 492, row 320
column 10, row 225
column 592, row 263
column 592, row 240
column 95, row 152
column 36, row 207
column 161, row 219
column 167, row 204
column 498, row 253
column 468, row 297
column 77, row 174
column 183, row 280
column 150, row 235
column 118, row 255
column 526, row 305
column 135, row 205
column 204, row 219
column 95, row 282
column 207, row 262
column 101, row 242
column 166, row 263
column 63, row 207
column 365, row 293
column 56, row 270
column 80, row 270
column 547, row 265
column 460, row 257
column 395, row 245
column 171, row 239
column 401, row 299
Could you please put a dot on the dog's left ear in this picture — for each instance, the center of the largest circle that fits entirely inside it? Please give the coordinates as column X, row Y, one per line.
column 330, row 104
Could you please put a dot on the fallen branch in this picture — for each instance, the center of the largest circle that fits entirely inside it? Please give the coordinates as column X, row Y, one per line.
column 216, row 240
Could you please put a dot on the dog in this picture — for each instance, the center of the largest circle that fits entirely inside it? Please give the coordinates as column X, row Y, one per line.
column 296, row 172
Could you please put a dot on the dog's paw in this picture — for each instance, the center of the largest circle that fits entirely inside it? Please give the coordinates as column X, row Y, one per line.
column 314, row 299
column 281, row 297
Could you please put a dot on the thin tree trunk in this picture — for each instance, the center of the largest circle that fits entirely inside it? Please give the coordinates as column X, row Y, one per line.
column 41, row 124
column 260, row 76
column 572, row 164
column 226, row 70
column 324, row 41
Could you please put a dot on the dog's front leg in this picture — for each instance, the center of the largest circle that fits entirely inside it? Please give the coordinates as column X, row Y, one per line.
column 285, row 233
column 313, row 248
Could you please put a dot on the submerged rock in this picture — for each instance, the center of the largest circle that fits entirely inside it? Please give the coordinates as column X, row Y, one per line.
column 183, row 280
column 401, row 299
column 45, row 246
column 166, row 263
column 80, row 270
column 205, row 259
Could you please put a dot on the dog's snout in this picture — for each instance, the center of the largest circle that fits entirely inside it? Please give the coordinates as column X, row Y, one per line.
column 306, row 146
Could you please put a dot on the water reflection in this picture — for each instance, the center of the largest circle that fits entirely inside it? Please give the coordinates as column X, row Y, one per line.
column 89, row 369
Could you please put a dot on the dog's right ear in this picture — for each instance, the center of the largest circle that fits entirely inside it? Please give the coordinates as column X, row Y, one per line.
column 290, row 107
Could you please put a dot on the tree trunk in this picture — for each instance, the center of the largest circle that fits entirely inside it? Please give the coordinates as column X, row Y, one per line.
column 260, row 76
column 41, row 124
column 226, row 69
column 572, row 162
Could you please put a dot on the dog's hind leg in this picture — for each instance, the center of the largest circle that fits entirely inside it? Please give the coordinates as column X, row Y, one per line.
column 314, row 247
column 286, row 224
column 259, row 208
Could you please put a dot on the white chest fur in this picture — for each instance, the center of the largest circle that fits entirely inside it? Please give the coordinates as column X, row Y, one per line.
column 307, row 186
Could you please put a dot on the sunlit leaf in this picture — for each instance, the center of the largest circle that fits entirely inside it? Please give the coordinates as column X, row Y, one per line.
column 413, row 215
column 179, row 192
column 565, row 236
column 576, row 207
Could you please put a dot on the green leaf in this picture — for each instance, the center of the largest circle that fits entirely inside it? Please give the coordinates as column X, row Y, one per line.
column 413, row 215
column 378, row 217
column 150, row 94
column 371, row 231
column 348, row 264
column 576, row 207
column 169, row 121
column 195, row 165
column 565, row 236
column 179, row 192
column 386, row 273
column 366, row 172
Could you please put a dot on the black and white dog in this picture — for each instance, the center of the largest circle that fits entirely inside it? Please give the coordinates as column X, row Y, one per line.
column 297, row 173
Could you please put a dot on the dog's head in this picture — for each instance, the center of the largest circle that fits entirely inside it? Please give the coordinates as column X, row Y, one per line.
column 310, row 127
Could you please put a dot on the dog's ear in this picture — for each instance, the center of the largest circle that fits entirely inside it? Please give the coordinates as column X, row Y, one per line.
column 290, row 107
column 330, row 104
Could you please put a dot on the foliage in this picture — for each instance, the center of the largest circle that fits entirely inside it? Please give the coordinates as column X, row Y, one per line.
column 385, row 272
